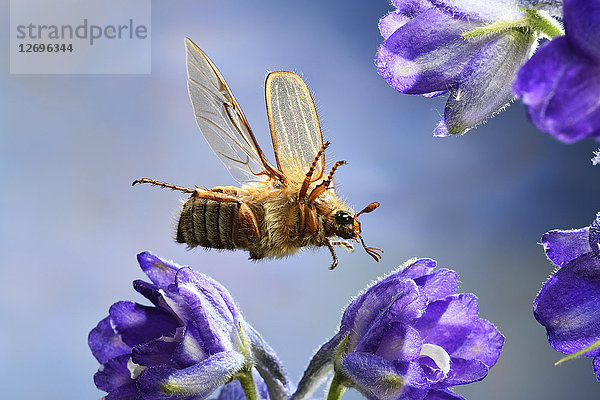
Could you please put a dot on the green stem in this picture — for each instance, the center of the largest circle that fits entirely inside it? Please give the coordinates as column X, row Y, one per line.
column 248, row 384
column 593, row 346
column 336, row 389
column 542, row 23
column 545, row 24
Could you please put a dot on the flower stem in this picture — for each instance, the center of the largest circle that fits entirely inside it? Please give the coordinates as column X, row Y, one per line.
column 535, row 21
column 593, row 346
column 546, row 25
column 248, row 384
column 336, row 389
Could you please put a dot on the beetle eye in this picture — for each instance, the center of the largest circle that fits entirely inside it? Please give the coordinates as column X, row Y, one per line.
column 343, row 218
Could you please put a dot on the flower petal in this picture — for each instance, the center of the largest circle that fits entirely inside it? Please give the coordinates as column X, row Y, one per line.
column 463, row 371
column 105, row 343
column 597, row 367
column 453, row 324
column 195, row 382
column 156, row 352
column 427, row 53
column 582, row 19
column 414, row 269
column 411, row 8
column 560, row 89
column 594, row 238
column 483, row 87
column 567, row 305
column 490, row 11
column 439, row 284
column 209, row 311
column 563, row 246
column 380, row 379
column 191, row 349
column 390, row 23
column 113, row 373
column 438, row 355
column 406, row 10
column 149, row 291
column 364, row 309
column 125, row 392
column 443, row 395
column 140, row 324
column 381, row 306
column 161, row 272
column 401, row 343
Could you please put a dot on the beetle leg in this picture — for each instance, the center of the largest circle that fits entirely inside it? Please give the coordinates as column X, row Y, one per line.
column 248, row 223
column 335, row 259
column 348, row 246
column 311, row 218
column 311, row 170
column 322, row 187
column 230, row 190
column 220, row 193
column 216, row 196
column 162, row 184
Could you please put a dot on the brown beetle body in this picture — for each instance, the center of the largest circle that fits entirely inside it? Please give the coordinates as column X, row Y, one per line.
column 278, row 210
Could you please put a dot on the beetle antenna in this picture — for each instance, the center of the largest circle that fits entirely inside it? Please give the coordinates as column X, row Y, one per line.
column 371, row 207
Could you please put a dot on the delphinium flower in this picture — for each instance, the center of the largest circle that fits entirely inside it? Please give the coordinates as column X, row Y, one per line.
column 568, row 305
column 560, row 84
column 408, row 336
column 190, row 342
column 470, row 50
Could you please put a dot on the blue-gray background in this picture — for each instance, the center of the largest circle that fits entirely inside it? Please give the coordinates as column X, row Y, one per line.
column 71, row 224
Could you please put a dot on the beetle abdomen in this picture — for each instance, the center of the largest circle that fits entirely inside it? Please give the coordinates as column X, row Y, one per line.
column 210, row 223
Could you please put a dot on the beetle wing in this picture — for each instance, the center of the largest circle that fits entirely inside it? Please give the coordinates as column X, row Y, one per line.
column 294, row 124
column 222, row 121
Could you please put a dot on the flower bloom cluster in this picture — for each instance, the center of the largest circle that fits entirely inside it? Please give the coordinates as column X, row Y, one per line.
column 560, row 85
column 469, row 50
column 192, row 341
column 408, row 336
column 567, row 304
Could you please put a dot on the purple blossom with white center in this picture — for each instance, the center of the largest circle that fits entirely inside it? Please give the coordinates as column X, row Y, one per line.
column 408, row 336
column 568, row 303
column 190, row 342
column 560, row 85
column 470, row 50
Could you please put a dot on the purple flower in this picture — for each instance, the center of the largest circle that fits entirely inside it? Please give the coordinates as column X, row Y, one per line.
column 191, row 341
column 560, row 85
column 568, row 305
column 466, row 49
column 409, row 336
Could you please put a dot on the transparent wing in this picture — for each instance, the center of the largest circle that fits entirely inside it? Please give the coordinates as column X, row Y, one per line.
column 295, row 129
column 222, row 121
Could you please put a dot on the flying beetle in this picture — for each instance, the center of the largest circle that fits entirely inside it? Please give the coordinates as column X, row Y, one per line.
column 277, row 210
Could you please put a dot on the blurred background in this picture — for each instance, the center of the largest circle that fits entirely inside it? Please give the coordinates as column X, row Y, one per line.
column 71, row 224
